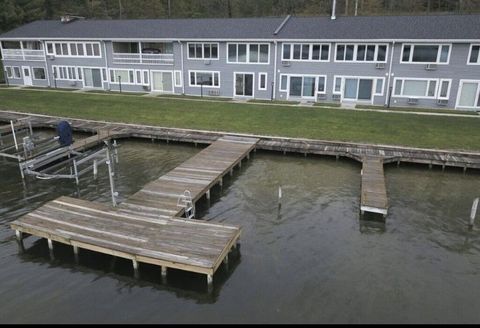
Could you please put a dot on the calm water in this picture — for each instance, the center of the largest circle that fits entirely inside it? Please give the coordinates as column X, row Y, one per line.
column 311, row 261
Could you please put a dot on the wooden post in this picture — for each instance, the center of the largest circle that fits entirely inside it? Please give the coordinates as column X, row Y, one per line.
column 231, row 172
column 209, row 280
column 443, row 167
column 240, row 164
column 248, row 156
column 398, row 163
column 225, row 260
column 464, row 169
column 135, row 265
column 473, row 213
column 95, row 169
column 50, row 244
column 164, row 271
column 75, row 253
column 208, row 194
column 19, row 235
column 220, row 182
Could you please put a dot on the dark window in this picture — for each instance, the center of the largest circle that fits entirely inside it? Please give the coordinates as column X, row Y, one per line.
column 361, row 52
column 382, row 53
column 349, row 52
column 286, row 51
column 325, row 51
column 296, row 51
column 316, row 52
column 370, row 53
column 474, row 54
column 305, row 51
column 340, row 52
column 406, row 53
column 425, row 54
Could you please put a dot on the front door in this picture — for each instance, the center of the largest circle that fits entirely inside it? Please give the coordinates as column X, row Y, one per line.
column 27, row 75
column 244, row 84
column 162, row 81
column 92, row 78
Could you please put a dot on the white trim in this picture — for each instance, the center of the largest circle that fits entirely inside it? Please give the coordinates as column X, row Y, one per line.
column 146, row 81
column 310, row 52
column 389, row 74
column 439, row 53
column 69, row 43
column 234, row 85
column 205, row 86
column 374, row 87
column 316, row 92
column 33, row 73
column 109, row 77
column 247, row 54
column 20, row 76
column 179, row 80
column 470, row 53
column 106, row 63
column 274, row 85
column 29, row 77
column 260, row 81
column 161, row 71
column 459, row 92
column 448, row 89
column 138, row 81
column 183, row 71
column 403, row 79
column 203, row 51
column 47, row 71
column 6, row 72
column 83, row 76
column 280, row 87
column 355, row 50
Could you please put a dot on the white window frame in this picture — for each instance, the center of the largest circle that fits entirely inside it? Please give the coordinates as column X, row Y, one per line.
column 234, row 84
column 439, row 53
column 69, row 43
column 260, row 81
column 355, row 49
column 435, row 96
column 280, row 84
column 470, row 53
column 459, row 92
column 64, row 70
column 20, row 75
column 374, row 86
column 248, row 53
column 204, row 86
column 316, row 76
column 115, row 76
column 203, row 50
column 310, row 52
column 145, row 81
column 11, row 72
column 440, row 88
column 178, row 81
column 44, row 72
column 53, row 48
column 138, row 81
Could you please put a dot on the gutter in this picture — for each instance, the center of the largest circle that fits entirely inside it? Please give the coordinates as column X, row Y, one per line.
column 389, row 94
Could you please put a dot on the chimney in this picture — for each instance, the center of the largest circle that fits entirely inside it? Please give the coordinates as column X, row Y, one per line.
column 67, row 18
column 334, row 5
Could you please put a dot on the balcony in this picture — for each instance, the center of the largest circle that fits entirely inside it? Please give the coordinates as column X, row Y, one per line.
column 151, row 59
column 23, row 54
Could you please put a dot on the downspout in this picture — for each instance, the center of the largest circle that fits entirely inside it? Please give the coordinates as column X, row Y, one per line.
column 274, row 82
column 183, row 77
column 389, row 94
column 46, row 63
column 106, row 66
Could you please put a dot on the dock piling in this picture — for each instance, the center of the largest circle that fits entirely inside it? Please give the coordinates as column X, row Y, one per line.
column 473, row 213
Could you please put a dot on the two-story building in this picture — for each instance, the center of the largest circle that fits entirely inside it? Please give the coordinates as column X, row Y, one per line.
column 425, row 61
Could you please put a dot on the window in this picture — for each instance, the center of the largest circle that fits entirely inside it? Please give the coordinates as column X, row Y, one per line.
column 73, row 49
column 50, row 49
column 361, row 52
column 425, row 53
column 303, row 86
column 262, row 81
column 145, row 78
column 203, row 51
column 337, row 88
column 17, row 74
column 178, row 79
column 138, row 74
column 321, row 84
column 104, row 75
column 9, row 71
column 444, row 92
column 420, row 88
column 283, row 82
column 474, row 56
column 66, row 73
column 379, row 87
column 124, row 76
column 469, row 94
column 199, row 78
column 306, row 52
column 96, row 49
column 254, row 53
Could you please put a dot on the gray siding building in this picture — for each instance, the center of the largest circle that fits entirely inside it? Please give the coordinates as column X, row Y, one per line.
column 424, row 61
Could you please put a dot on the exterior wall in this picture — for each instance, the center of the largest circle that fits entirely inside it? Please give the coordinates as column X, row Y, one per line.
column 227, row 71
column 456, row 70
column 331, row 69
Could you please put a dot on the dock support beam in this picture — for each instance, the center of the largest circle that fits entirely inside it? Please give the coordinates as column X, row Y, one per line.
column 210, row 280
column 75, row 253
column 50, row 244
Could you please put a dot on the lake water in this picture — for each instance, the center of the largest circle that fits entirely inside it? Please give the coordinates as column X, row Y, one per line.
column 311, row 260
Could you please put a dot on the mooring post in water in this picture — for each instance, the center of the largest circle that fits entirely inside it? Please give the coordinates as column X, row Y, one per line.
column 279, row 196
column 14, row 136
column 473, row 213
column 75, row 169
column 115, row 150
column 110, row 175
column 95, row 169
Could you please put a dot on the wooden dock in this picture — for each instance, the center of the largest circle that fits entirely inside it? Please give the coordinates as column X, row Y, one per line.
column 197, row 175
column 374, row 193
column 145, row 227
column 170, row 243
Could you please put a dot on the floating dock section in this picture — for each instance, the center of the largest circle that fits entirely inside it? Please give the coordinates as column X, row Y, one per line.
column 374, row 193
column 144, row 228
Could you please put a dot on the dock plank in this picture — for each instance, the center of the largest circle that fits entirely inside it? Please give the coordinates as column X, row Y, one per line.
column 374, row 193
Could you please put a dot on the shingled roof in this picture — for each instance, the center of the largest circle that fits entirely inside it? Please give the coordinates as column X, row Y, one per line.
column 439, row 27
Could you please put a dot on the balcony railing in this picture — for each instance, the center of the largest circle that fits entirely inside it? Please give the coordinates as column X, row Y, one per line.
column 25, row 54
column 151, row 59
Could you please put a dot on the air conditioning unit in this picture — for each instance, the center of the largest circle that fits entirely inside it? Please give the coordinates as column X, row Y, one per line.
column 380, row 65
column 72, row 83
column 214, row 92
column 285, row 63
column 51, row 57
column 208, row 62
column 321, row 96
column 442, row 102
column 412, row 101
column 336, row 97
column 431, row 67
column 146, row 87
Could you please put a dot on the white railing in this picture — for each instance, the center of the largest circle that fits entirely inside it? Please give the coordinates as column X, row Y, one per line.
column 152, row 59
column 25, row 54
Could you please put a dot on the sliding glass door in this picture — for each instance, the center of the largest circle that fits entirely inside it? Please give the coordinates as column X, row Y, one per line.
column 358, row 89
column 469, row 95
column 244, row 84
column 303, row 86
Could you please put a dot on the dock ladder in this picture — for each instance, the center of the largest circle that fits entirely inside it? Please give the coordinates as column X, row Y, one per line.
column 185, row 201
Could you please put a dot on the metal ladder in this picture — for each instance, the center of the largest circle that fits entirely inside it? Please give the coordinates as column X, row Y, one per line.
column 185, row 201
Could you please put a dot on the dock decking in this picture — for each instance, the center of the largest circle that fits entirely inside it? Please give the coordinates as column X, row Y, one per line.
column 144, row 228
column 197, row 175
column 374, row 193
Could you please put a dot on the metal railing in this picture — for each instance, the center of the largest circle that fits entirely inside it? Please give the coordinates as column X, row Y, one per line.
column 25, row 54
column 152, row 59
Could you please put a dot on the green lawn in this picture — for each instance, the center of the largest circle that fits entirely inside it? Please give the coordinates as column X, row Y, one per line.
column 316, row 123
